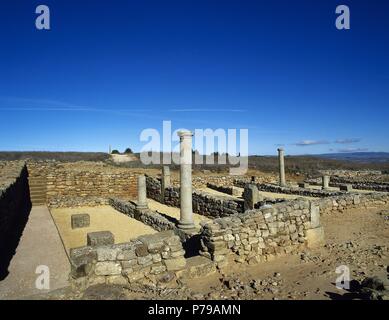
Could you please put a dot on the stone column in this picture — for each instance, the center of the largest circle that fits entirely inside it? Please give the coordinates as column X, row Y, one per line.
column 326, row 182
column 165, row 182
column 186, row 211
column 142, row 197
column 282, row 181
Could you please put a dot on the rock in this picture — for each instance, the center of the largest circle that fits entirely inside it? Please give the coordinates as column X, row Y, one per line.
column 100, row 238
column 374, row 283
column 175, row 264
column 80, row 220
column 106, row 253
column 107, row 268
column 141, row 250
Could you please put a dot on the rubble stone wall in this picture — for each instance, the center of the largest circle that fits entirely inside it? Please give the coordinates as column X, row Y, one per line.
column 148, row 217
column 258, row 234
column 203, row 203
column 146, row 256
column 357, row 183
column 84, row 182
column 352, row 200
column 291, row 190
column 15, row 201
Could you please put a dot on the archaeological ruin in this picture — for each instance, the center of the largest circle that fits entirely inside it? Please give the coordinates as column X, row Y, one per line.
column 124, row 226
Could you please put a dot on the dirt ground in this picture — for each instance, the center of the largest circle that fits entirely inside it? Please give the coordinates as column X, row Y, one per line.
column 102, row 218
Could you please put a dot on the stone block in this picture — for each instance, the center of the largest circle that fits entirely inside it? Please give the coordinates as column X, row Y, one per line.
column 236, row 192
column 107, row 268
column 303, row 185
column 81, row 220
column 315, row 216
column 106, row 253
column 141, row 250
column 100, row 238
column 315, row 237
column 175, row 264
column 346, row 187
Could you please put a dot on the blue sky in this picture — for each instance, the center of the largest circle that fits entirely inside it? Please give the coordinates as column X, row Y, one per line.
column 107, row 70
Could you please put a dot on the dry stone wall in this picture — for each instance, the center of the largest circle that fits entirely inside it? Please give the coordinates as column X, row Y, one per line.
column 357, row 183
column 148, row 217
column 203, row 203
column 84, row 183
column 258, row 234
column 352, row 200
column 15, row 201
column 149, row 256
column 290, row 190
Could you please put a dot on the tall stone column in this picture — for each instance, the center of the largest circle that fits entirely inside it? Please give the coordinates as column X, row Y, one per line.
column 165, row 181
column 142, row 196
column 282, row 181
column 326, row 182
column 186, row 210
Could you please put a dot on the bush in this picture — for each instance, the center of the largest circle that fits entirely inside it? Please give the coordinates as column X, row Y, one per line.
column 128, row 150
column 115, row 152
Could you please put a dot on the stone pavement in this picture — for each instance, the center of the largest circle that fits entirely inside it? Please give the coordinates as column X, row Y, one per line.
column 40, row 244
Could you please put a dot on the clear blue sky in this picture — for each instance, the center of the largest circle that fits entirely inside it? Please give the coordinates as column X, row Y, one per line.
column 108, row 69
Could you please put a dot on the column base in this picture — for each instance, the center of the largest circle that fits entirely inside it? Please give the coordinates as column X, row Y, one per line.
column 186, row 225
column 142, row 206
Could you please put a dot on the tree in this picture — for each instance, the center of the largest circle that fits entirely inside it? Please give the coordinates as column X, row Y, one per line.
column 115, row 152
column 128, row 150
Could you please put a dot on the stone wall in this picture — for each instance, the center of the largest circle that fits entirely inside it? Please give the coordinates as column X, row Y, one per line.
column 83, row 182
column 357, row 183
column 231, row 190
column 291, row 190
column 148, row 217
column 203, row 203
column 15, row 206
column 352, row 200
column 150, row 256
column 258, row 234
column 15, row 201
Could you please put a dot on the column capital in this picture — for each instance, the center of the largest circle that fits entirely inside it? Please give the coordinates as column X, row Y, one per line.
column 185, row 133
column 280, row 149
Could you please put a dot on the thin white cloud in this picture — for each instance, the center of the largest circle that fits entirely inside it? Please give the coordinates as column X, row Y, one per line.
column 348, row 140
column 310, row 142
column 345, row 150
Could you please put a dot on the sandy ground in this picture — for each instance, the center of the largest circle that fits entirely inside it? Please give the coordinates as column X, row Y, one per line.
column 102, row 218
column 174, row 212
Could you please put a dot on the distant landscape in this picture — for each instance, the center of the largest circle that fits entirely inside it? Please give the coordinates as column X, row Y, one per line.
column 294, row 164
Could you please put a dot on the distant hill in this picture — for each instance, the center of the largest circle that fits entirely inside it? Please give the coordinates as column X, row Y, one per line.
column 59, row 156
column 362, row 157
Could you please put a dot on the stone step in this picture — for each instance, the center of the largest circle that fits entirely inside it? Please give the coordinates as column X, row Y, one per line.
column 37, row 180
column 38, row 188
column 38, row 198
column 37, row 194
